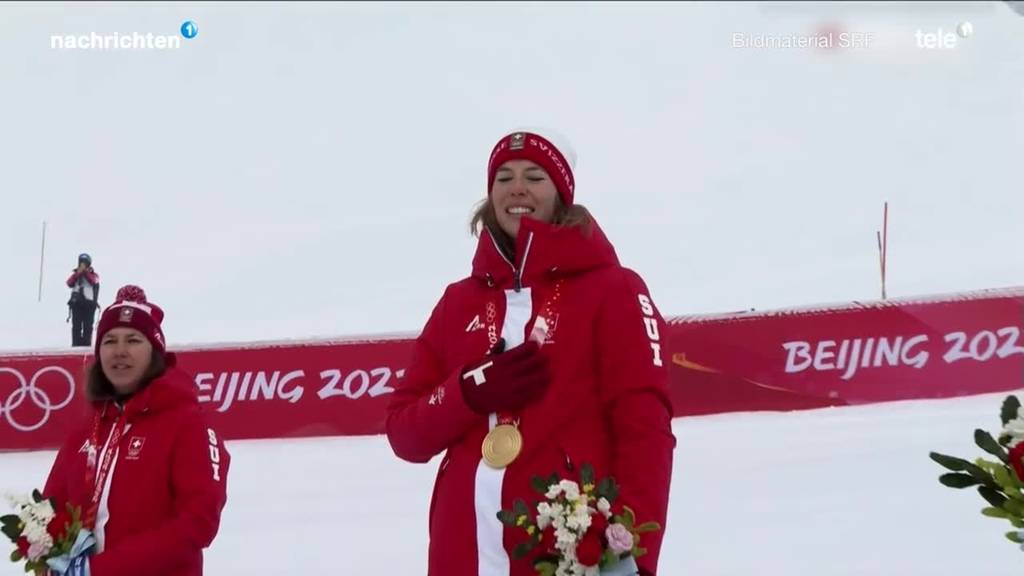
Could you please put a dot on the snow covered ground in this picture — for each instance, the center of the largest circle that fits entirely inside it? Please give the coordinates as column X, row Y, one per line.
column 833, row 492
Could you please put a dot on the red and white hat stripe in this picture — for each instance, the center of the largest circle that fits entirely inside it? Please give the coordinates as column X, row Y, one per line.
column 557, row 160
column 132, row 309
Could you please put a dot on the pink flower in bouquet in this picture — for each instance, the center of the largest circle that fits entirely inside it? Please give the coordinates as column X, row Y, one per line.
column 619, row 538
column 37, row 550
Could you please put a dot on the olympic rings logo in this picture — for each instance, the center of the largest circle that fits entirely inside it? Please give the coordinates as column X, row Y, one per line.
column 28, row 391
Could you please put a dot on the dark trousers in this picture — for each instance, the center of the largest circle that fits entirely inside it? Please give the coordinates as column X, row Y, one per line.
column 82, row 315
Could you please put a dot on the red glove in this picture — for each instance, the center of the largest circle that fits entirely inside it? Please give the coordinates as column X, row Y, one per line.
column 506, row 382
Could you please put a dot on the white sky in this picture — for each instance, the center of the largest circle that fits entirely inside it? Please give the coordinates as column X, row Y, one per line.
column 309, row 169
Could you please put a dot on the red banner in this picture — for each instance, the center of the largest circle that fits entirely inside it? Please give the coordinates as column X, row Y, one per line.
column 323, row 389
column 40, row 400
column 855, row 354
column 780, row 360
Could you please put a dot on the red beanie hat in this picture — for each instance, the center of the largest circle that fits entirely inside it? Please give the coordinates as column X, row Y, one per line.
column 552, row 153
column 131, row 310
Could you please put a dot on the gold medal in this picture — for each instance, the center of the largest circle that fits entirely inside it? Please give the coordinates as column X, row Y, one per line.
column 502, row 446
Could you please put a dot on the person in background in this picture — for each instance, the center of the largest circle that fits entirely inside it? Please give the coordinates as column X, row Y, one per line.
column 85, row 293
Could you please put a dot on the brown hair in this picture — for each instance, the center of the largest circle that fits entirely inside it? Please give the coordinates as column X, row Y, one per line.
column 572, row 216
column 98, row 387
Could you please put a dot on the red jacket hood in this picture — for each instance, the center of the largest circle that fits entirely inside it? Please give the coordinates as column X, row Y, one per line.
column 548, row 250
column 172, row 389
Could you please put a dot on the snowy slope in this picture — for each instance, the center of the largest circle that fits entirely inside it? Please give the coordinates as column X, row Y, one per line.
column 833, row 492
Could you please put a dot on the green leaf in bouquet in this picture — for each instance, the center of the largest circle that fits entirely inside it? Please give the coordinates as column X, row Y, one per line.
column 607, row 489
column 1014, row 537
column 983, row 475
column 1014, row 506
column 992, row 512
column 587, row 475
column 520, row 508
column 546, row 567
column 628, row 518
column 949, row 462
column 608, row 559
column 986, row 442
column 539, row 485
column 507, row 517
column 957, row 480
column 988, row 465
column 12, row 521
column 992, row 496
column 13, row 532
column 16, row 556
column 523, row 549
column 1005, row 479
column 76, row 518
column 1009, row 410
column 648, row 527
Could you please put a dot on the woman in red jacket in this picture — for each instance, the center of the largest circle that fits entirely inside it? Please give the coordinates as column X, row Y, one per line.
column 147, row 470
column 547, row 357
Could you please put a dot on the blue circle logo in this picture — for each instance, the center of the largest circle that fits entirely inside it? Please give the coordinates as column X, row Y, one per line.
column 189, row 29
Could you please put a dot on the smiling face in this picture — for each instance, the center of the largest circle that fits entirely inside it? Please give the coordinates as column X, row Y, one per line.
column 125, row 354
column 522, row 189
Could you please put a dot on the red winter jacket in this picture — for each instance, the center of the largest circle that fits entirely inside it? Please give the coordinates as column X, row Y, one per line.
column 86, row 282
column 90, row 275
column 167, row 482
column 607, row 404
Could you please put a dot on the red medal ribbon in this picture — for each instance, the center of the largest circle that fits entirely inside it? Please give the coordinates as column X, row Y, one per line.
column 548, row 312
column 98, row 481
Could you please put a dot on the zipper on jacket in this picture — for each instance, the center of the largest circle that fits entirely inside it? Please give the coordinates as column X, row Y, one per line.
column 517, row 273
column 518, row 281
column 568, row 461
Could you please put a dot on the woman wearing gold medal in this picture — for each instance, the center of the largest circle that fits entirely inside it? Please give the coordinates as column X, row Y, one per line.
column 546, row 358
